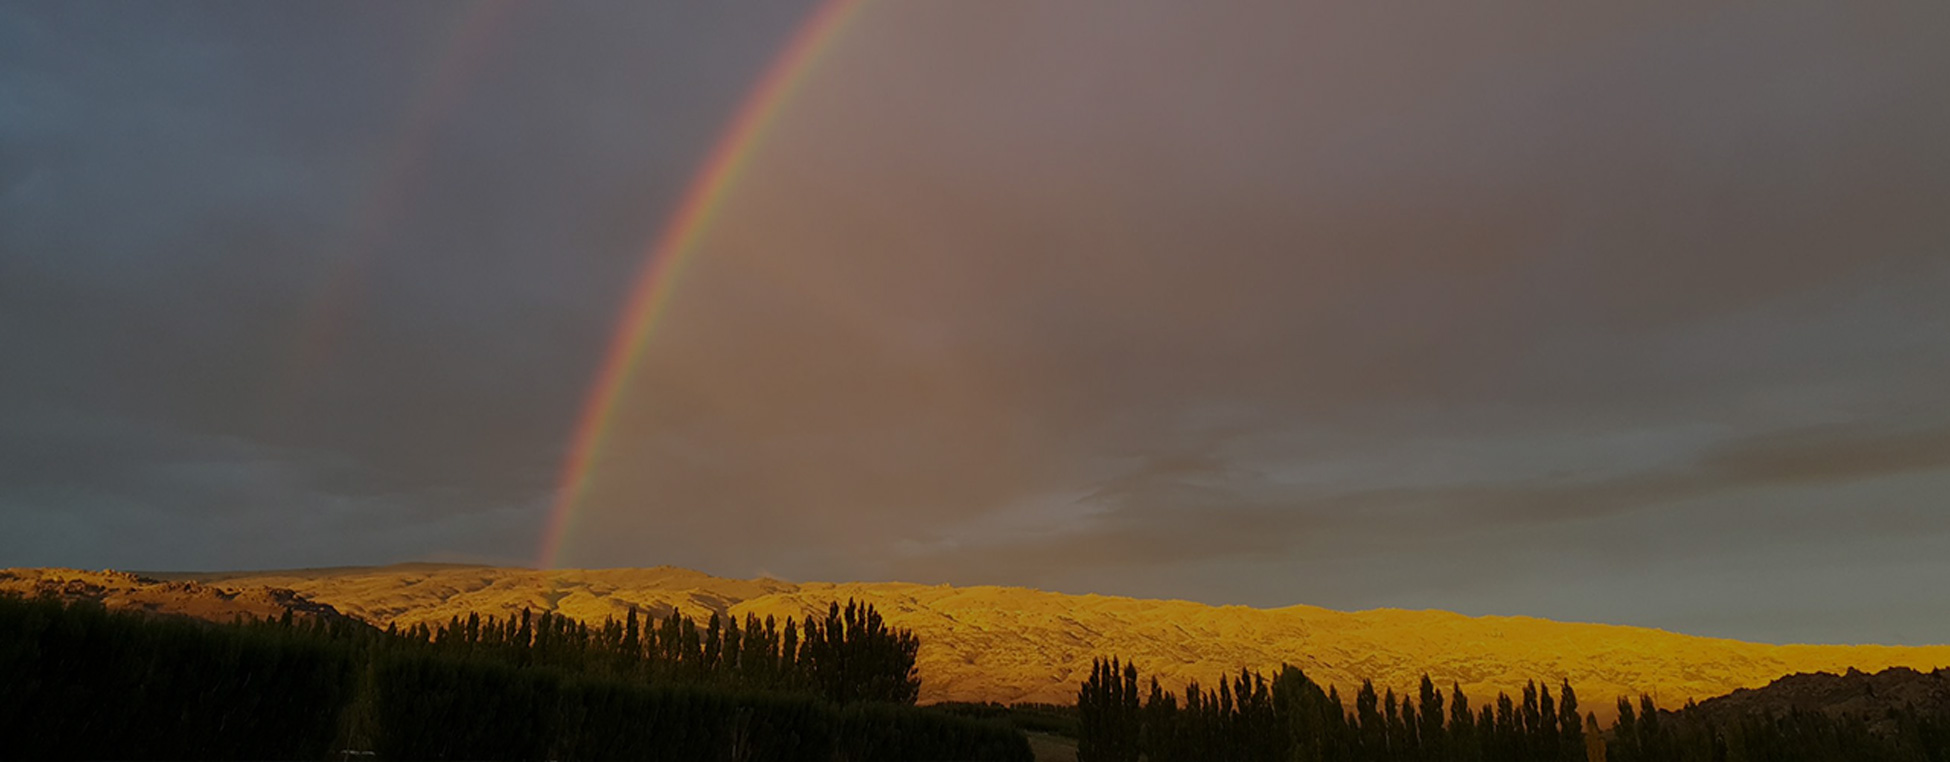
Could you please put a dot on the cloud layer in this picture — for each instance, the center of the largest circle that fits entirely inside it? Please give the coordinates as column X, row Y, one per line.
column 1630, row 315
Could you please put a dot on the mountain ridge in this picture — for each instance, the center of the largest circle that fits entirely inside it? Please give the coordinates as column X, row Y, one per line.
column 997, row 643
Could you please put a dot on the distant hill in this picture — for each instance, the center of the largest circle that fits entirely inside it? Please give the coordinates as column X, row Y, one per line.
column 1014, row 644
column 1852, row 693
column 124, row 591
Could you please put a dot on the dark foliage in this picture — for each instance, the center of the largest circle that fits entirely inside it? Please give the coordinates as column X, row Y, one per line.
column 1906, row 733
column 849, row 655
column 80, row 682
column 1107, row 714
column 486, row 710
column 1297, row 720
column 1249, row 718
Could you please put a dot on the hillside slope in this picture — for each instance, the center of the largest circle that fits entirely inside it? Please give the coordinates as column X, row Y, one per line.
column 1854, row 693
column 122, row 591
column 1015, row 644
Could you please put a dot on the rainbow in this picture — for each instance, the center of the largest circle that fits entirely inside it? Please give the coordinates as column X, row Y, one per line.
column 664, row 258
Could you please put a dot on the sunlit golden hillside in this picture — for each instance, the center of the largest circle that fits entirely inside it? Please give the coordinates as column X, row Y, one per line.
column 1015, row 644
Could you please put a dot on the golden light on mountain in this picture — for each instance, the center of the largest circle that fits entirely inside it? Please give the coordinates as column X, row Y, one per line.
column 1011, row 644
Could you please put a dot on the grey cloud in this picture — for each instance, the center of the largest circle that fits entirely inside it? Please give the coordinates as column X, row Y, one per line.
column 1185, row 510
column 958, row 287
column 1832, row 454
column 182, row 184
column 1146, row 302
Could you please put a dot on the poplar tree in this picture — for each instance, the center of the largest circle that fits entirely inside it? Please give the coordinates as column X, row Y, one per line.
column 1486, row 740
column 1373, row 727
column 1158, row 736
column 1434, row 740
column 1509, row 729
column 1528, row 722
column 1410, row 745
column 671, row 639
column 1625, row 734
column 1107, row 714
column 1544, row 738
column 690, row 648
column 759, row 660
column 789, row 651
column 732, row 650
column 713, row 644
column 1304, row 713
column 1569, row 725
column 1652, row 741
column 1464, row 743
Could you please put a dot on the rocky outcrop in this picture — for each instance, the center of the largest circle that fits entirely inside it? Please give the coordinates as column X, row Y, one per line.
column 1853, row 692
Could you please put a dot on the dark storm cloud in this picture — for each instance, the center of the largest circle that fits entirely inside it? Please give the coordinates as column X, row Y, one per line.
column 1601, row 313
column 1181, row 508
column 1833, row 453
column 1189, row 302
column 181, row 185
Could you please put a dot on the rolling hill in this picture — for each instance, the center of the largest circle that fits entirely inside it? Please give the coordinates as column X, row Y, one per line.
column 1014, row 644
column 125, row 591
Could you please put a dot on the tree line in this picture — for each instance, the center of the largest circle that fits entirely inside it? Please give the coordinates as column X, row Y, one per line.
column 1291, row 718
column 1906, row 733
column 81, row 682
column 848, row 655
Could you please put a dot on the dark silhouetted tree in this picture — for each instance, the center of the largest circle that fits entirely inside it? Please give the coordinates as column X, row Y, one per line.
column 1570, row 725
column 1373, row 726
column 1108, row 721
column 1624, row 746
column 1434, row 740
column 1464, row 744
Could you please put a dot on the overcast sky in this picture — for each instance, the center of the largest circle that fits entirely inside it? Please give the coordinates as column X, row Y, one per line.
column 1634, row 314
